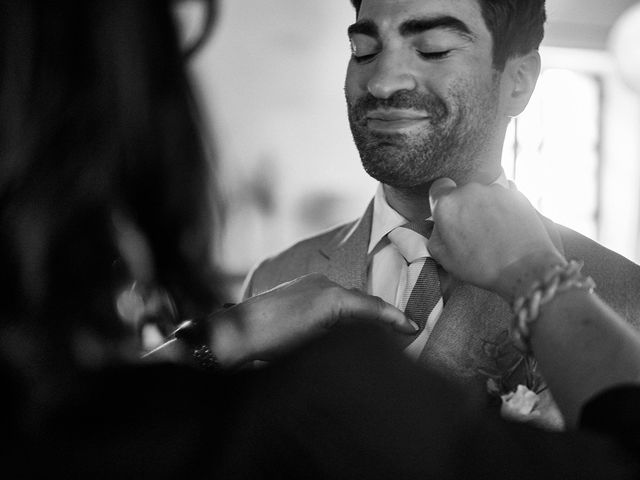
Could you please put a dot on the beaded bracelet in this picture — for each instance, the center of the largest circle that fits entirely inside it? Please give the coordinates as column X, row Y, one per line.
column 526, row 308
column 195, row 333
column 205, row 358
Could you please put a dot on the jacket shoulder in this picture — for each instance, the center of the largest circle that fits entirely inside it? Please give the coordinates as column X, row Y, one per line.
column 617, row 278
column 303, row 257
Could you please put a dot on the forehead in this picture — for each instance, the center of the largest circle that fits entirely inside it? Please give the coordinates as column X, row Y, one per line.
column 388, row 15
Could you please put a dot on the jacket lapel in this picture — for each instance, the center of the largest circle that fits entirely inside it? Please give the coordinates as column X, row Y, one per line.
column 460, row 345
column 347, row 253
column 468, row 341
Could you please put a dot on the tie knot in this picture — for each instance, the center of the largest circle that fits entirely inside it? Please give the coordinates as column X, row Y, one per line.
column 411, row 241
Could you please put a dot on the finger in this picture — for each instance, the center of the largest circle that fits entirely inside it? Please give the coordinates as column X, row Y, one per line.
column 367, row 307
column 435, row 244
column 508, row 187
column 395, row 318
column 440, row 187
column 439, row 251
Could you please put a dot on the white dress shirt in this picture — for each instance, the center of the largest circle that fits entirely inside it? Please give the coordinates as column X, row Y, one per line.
column 387, row 268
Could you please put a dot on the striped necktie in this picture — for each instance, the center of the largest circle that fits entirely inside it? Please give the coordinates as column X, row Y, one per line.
column 422, row 287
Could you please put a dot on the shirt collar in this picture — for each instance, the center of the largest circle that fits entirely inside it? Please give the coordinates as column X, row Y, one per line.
column 386, row 218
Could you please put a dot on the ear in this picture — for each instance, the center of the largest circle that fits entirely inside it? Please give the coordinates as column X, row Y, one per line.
column 521, row 74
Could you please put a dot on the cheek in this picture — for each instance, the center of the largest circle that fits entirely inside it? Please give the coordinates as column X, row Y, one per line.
column 440, row 83
column 355, row 82
column 474, row 91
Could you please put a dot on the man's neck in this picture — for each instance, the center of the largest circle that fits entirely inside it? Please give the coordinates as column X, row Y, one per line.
column 413, row 204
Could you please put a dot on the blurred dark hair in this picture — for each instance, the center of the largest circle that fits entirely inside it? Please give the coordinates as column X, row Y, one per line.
column 516, row 26
column 97, row 118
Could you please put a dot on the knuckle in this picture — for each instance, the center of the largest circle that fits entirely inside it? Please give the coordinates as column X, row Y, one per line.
column 380, row 305
column 335, row 294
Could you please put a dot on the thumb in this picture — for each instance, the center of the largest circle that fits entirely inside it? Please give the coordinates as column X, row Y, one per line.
column 439, row 188
column 367, row 307
column 435, row 245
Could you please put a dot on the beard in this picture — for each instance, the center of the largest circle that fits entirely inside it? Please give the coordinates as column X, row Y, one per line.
column 451, row 144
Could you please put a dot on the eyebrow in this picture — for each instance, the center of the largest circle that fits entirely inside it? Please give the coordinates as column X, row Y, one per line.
column 420, row 25
column 363, row 27
column 414, row 26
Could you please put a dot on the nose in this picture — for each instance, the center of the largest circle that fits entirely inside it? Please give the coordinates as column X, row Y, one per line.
column 390, row 76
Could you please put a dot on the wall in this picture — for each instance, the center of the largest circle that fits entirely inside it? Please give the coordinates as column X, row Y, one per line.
column 272, row 78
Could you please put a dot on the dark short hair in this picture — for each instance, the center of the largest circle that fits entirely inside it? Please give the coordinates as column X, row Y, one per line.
column 516, row 26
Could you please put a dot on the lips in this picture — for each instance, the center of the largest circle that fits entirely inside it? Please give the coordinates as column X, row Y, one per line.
column 395, row 120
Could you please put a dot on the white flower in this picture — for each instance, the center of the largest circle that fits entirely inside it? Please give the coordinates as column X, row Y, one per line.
column 523, row 405
column 520, row 405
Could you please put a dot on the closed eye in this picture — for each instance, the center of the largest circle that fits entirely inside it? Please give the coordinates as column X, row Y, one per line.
column 439, row 55
column 363, row 58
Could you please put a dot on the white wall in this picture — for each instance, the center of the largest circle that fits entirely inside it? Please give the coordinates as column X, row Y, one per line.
column 273, row 77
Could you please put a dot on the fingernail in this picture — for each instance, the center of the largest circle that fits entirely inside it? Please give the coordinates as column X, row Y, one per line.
column 414, row 325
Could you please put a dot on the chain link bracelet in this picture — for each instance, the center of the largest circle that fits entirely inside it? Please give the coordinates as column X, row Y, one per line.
column 526, row 308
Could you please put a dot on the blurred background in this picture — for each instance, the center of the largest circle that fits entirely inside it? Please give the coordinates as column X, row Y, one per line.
column 271, row 81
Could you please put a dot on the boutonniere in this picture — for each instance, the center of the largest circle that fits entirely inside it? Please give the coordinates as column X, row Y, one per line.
column 515, row 384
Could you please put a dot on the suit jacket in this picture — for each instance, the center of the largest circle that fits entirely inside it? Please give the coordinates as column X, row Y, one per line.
column 466, row 344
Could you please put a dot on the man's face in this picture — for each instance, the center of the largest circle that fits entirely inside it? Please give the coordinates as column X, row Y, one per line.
column 423, row 98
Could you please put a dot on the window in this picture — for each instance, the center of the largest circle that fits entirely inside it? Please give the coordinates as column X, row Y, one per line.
column 553, row 150
column 575, row 151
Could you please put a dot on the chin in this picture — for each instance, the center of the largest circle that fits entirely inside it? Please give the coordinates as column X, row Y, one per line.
column 399, row 180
